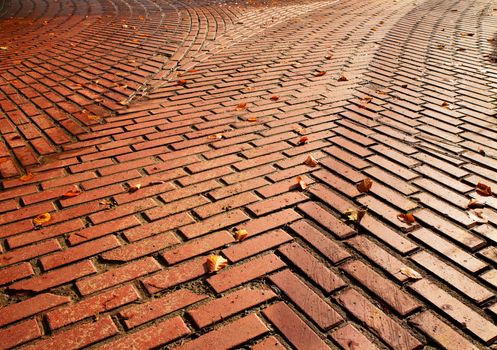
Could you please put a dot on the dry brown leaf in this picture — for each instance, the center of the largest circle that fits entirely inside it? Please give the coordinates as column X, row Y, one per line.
column 355, row 215
column 475, row 204
column 215, row 137
column 216, row 263
column 311, row 161
column 71, row 193
column 482, row 152
column 134, row 188
column 328, row 57
column 41, row 219
column 407, row 218
column 303, row 140
column 364, row 185
column 240, row 235
column 4, row 48
column 275, row 98
column 483, row 190
column 182, row 82
column 407, row 271
column 404, row 86
column 343, row 78
column 319, row 73
column 301, row 184
column 252, row 119
column 26, row 177
column 440, row 46
column 241, row 106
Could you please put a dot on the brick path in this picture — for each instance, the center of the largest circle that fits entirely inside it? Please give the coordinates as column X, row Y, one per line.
column 204, row 104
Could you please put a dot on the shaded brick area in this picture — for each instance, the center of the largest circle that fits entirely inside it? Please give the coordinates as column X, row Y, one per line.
column 204, row 105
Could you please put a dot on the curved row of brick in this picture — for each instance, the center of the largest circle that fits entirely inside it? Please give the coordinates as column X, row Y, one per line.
column 406, row 98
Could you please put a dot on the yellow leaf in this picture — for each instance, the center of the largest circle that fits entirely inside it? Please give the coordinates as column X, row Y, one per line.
column 42, row 218
column 134, row 188
column 4, row 48
column 301, row 183
column 240, row 235
column 215, row 137
column 216, row 263
column 355, row 215
column 407, row 271
column 26, row 177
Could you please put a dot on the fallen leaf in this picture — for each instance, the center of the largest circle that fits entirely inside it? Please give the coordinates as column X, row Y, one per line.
column 158, row 182
column 182, row 82
column 71, row 193
column 125, row 26
column 303, row 140
column 241, row 106
column 440, row 46
column 94, row 117
column 343, row 78
column 379, row 92
column 134, row 188
column 216, row 263
column 123, row 102
column 404, row 86
column 311, row 161
column 215, row 137
column 474, row 204
column 275, row 98
column 328, row 57
column 407, row 218
column 105, row 202
column 445, row 104
column 407, row 271
column 252, row 119
column 301, row 183
column 482, row 152
column 4, row 48
column 26, row 177
column 460, row 49
column 364, row 185
column 240, row 235
column 41, row 219
column 319, row 73
column 477, row 215
column 483, row 190
column 355, row 215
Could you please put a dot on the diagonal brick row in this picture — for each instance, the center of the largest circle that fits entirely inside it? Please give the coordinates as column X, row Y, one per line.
column 398, row 92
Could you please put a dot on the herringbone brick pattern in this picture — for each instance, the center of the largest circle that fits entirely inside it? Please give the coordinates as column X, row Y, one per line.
column 213, row 108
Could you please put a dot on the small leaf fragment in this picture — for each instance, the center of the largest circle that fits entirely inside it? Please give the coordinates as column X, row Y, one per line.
column 301, row 184
column 240, row 235
column 327, row 57
column 182, row 82
column 215, row 137
column 407, row 271
column 407, row 218
column 252, row 119
column 216, row 263
column 319, row 73
column 477, row 215
column 41, row 219
column 134, row 188
column 303, row 140
column 311, row 161
column 71, row 193
column 4, row 48
column 26, row 177
column 275, row 98
column 483, row 190
column 475, row 204
column 355, row 215
column 343, row 78
column 364, row 185
column 94, row 117
column 241, row 106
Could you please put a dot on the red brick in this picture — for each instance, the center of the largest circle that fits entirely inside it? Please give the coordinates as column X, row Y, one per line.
column 29, row 252
column 175, row 207
column 80, row 252
column 228, row 336
column 317, row 271
column 326, row 219
column 238, row 187
column 294, row 329
column 449, row 250
column 214, row 223
column 117, row 275
column 102, row 229
column 319, row 241
column 233, row 276
column 92, row 195
column 44, row 233
column 109, row 180
column 269, row 343
column 306, row 299
column 277, row 203
column 150, row 337
column 440, row 332
column 228, row 305
column 350, row 338
column 384, row 289
column 229, row 203
column 125, row 166
column 19, row 333
column 159, row 226
column 189, row 191
column 175, row 275
column 30, row 307
column 55, row 278
column 140, row 314
column 16, row 272
column 269, row 222
column 198, row 246
column 90, row 165
column 388, row 329
column 92, row 306
column 122, row 210
column 78, row 337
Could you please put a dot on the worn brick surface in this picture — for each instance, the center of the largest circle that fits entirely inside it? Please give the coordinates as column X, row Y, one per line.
column 175, row 124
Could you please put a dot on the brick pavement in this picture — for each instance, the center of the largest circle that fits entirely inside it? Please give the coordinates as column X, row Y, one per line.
column 213, row 108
